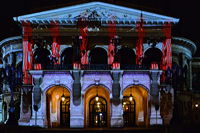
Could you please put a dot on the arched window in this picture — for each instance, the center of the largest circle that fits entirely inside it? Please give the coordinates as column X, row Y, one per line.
column 152, row 56
column 126, row 57
column 67, row 58
column 41, row 56
column 98, row 58
column 98, row 112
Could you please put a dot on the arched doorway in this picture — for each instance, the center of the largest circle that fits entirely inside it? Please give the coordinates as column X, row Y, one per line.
column 135, row 106
column 58, row 107
column 97, row 110
column 128, row 111
column 126, row 57
column 152, row 55
column 65, row 112
column 66, row 58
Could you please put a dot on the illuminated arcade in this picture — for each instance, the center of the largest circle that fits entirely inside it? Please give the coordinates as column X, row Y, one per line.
column 96, row 65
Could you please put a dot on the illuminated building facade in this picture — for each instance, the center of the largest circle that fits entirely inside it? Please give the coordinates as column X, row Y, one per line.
column 97, row 65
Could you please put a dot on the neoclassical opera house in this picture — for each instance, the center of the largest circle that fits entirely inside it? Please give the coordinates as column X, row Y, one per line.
column 96, row 65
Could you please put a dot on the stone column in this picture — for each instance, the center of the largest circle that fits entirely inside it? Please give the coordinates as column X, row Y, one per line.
column 155, row 117
column 11, row 58
column 117, row 115
column 26, row 105
column 190, row 75
column 76, row 105
column 38, row 100
column 117, row 111
column 76, row 115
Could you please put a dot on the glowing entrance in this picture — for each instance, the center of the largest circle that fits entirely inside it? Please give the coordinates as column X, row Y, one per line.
column 98, row 112
column 58, row 107
column 129, row 111
column 97, row 107
column 135, row 106
column 65, row 112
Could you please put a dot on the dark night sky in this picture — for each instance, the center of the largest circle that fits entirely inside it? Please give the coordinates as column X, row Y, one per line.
column 188, row 12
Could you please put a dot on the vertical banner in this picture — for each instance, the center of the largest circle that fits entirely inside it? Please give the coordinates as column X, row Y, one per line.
column 111, row 46
column 27, row 52
column 84, row 44
column 166, row 49
column 54, row 30
column 139, row 43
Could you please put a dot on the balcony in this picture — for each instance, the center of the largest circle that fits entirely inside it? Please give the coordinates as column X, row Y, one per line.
column 89, row 67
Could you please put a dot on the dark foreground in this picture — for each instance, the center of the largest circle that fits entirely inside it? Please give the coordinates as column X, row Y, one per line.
column 154, row 129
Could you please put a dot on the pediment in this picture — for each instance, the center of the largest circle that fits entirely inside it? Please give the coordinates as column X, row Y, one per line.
column 95, row 10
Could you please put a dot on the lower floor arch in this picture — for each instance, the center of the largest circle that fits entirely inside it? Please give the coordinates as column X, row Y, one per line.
column 97, row 107
column 135, row 106
column 58, row 107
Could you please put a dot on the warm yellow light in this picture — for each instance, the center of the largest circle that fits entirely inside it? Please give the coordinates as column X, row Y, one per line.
column 98, row 103
column 63, row 98
column 97, row 98
column 131, row 98
column 124, row 103
column 196, row 105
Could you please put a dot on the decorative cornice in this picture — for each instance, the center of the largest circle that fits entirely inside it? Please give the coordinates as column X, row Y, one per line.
column 10, row 39
column 185, row 43
column 97, row 11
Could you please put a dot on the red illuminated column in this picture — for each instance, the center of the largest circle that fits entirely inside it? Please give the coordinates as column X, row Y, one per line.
column 139, row 43
column 84, row 45
column 54, row 29
column 111, row 46
column 27, row 52
column 166, row 49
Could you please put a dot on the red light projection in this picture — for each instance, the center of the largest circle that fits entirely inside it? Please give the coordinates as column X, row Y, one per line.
column 111, row 46
column 139, row 43
column 54, row 31
column 83, row 47
column 27, row 52
column 166, row 48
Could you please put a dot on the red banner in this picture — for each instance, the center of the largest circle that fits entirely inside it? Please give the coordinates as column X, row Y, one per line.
column 139, row 43
column 54, row 31
column 111, row 46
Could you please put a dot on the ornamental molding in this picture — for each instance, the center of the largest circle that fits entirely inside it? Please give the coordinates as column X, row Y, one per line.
column 100, row 11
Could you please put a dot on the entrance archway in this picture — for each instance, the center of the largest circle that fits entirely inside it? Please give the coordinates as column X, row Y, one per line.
column 58, row 107
column 135, row 106
column 128, row 111
column 97, row 111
